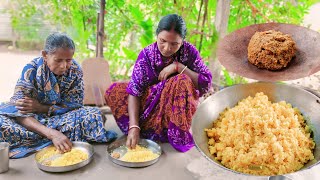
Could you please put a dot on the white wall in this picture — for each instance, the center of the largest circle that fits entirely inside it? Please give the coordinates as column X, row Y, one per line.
column 5, row 23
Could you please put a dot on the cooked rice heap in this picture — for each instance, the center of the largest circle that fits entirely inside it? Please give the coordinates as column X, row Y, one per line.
column 69, row 158
column 139, row 154
column 261, row 138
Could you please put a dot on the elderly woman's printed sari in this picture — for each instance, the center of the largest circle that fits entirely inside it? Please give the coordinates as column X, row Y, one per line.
column 167, row 107
column 69, row 116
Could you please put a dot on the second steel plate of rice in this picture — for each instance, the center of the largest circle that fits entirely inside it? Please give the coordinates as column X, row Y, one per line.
column 146, row 153
column 139, row 154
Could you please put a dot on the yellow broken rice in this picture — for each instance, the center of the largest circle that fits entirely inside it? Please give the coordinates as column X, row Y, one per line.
column 261, row 138
column 139, row 154
column 69, row 158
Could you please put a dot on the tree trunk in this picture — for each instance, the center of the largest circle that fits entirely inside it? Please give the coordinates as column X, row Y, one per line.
column 222, row 17
column 221, row 26
column 100, row 30
column 203, row 22
column 198, row 20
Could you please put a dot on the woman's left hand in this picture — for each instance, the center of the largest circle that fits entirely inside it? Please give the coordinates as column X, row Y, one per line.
column 167, row 71
column 28, row 105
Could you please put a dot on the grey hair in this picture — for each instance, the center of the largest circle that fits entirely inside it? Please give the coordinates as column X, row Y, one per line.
column 58, row 40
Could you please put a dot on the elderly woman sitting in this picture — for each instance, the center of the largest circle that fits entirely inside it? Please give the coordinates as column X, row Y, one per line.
column 47, row 105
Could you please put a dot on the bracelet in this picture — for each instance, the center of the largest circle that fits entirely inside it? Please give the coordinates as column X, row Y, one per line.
column 183, row 70
column 177, row 67
column 134, row 126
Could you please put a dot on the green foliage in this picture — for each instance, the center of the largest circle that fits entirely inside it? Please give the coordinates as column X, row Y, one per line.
column 229, row 80
column 33, row 20
column 130, row 24
column 244, row 13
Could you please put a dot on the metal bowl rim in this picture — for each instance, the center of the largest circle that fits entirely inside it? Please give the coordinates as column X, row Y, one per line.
column 223, row 167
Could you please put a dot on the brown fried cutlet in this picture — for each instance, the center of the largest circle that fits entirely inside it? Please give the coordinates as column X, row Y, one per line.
column 271, row 50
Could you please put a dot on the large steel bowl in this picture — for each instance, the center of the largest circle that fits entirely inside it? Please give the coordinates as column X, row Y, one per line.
column 307, row 102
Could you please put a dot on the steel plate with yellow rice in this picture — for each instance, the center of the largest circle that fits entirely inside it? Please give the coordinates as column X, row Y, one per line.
column 138, row 154
column 50, row 159
column 146, row 153
column 261, row 138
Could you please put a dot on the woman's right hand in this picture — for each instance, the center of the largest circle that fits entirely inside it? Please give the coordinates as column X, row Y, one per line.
column 167, row 71
column 60, row 141
column 133, row 138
